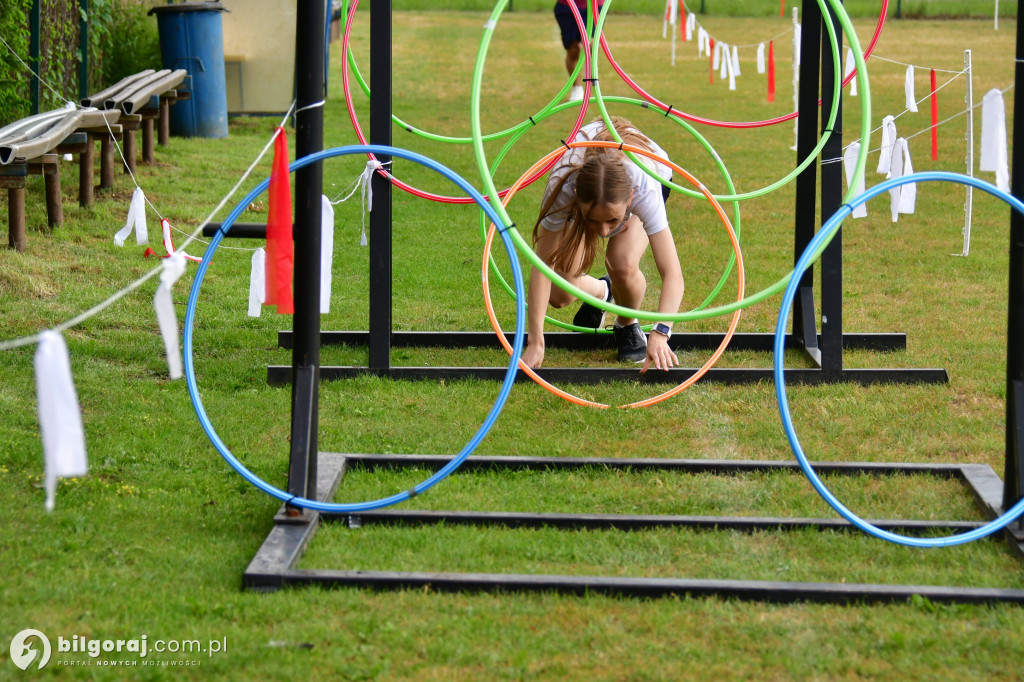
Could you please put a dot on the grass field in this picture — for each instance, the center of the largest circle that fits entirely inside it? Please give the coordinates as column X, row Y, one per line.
column 155, row 539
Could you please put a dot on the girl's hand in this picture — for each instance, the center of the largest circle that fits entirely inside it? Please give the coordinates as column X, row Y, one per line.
column 533, row 356
column 659, row 353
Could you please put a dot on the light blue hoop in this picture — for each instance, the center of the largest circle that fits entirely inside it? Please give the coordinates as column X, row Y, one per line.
column 499, row 403
column 809, row 255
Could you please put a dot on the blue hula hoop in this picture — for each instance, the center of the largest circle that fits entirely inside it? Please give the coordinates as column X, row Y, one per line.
column 809, row 255
column 499, row 403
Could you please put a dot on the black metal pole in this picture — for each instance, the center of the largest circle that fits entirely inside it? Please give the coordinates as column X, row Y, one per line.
column 1013, row 478
column 380, row 216
column 831, row 198
column 309, row 137
column 805, row 219
column 83, row 48
column 35, row 28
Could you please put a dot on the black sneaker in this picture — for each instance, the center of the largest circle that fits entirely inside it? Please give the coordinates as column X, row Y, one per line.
column 590, row 316
column 631, row 342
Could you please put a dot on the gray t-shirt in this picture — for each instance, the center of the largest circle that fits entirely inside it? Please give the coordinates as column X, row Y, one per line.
column 648, row 203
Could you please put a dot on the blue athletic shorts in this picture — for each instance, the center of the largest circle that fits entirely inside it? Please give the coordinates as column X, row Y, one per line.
column 567, row 23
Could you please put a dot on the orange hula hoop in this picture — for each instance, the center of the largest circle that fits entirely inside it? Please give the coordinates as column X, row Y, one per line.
column 741, row 278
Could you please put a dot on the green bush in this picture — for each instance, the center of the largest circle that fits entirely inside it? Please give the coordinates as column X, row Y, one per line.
column 129, row 43
column 13, row 91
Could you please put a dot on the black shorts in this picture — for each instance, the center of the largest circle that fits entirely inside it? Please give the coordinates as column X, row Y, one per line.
column 567, row 23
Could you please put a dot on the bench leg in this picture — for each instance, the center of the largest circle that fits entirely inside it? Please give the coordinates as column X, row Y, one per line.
column 148, row 155
column 106, row 162
column 129, row 151
column 85, row 163
column 54, row 207
column 165, row 123
column 16, row 218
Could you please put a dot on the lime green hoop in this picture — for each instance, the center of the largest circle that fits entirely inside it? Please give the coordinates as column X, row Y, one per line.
column 561, row 282
column 700, row 139
column 833, row 114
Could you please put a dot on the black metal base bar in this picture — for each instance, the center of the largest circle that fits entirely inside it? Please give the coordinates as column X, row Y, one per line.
column 632, row 522
column 750, row 590
column 758, row 341
column 281, row 374
column 274, row 565
column 980, row 476
column 291, row 534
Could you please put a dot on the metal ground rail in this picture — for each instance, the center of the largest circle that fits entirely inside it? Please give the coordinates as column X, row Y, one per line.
column 276, row 563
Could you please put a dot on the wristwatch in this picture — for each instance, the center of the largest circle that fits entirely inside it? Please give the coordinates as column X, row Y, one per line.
column 663, row 329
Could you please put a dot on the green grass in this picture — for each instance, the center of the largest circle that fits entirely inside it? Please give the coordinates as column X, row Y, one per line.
column 155, row 539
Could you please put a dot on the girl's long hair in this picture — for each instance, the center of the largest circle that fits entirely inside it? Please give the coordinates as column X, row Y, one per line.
column 600, row 179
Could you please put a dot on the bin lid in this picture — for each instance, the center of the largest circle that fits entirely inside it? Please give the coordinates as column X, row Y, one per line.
column 188, row 7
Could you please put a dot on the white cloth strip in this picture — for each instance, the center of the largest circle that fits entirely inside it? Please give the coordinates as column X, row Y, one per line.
column 257, row 282
column 60, row 416
column 326, row 253
column 167, row 319
column 850, row 165
column 908, row 87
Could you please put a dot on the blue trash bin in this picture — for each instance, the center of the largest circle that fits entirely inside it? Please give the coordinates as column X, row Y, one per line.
column 191, row 38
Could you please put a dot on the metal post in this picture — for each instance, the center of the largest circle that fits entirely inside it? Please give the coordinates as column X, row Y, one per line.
column 309, row 135
column 831, row 198
column 1013, row 477
column 380, row 216
column 969, row 158
column 35, row 28
column 805, row 222
column 83, row 47
column 796, row 77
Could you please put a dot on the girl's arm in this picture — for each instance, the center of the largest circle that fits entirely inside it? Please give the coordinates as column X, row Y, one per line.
column 663, row 247
column 537, row 299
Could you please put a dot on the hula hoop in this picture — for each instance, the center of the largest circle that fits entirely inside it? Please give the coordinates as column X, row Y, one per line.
column 537, row 262
column 725, row 175
column 813, row 250
column 786, row 179
column 733, row 124
column 452, row 465
column 696, row 375
column 521, row 128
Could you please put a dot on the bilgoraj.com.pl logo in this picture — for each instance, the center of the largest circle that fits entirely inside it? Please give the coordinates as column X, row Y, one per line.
column 31, row 648
column 22, row 652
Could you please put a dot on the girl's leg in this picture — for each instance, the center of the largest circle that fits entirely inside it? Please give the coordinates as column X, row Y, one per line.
column 622, row 258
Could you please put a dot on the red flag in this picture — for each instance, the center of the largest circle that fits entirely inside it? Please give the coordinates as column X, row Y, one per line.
column 711, row 61
column 782, row 8
column 280, row 247
column 682, row 23
column 935, row 120
column 771, row 71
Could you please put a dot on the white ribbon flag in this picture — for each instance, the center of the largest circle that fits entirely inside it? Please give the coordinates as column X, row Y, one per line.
column 736, row 60
column 326, row 252
column 888, row 144
column 60, row 417
column 993, row 138
column 908, row 88
column 850, row 165
column 173, row 269
column 136, row 220
column 851, row 66
column 257, row 282
column 760, row 58
column 903, row 197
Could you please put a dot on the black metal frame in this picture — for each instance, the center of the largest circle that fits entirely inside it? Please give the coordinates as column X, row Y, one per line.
column 275, row 565
column 315, row 474
column 825, row 350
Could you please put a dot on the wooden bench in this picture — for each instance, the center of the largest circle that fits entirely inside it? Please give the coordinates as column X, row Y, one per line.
column 34, row 145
